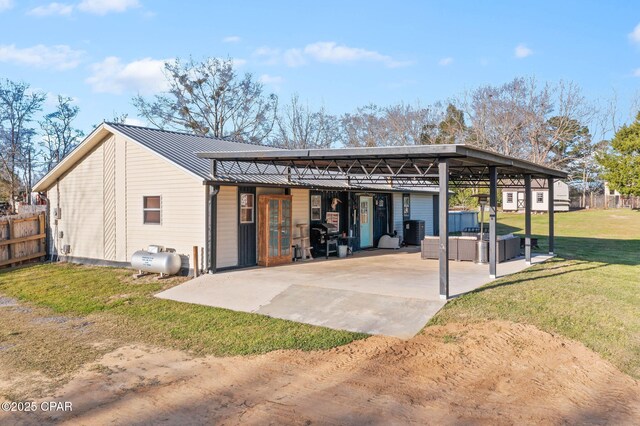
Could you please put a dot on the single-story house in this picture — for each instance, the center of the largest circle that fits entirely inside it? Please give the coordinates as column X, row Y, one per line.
column 513, row 198
column 127, row 187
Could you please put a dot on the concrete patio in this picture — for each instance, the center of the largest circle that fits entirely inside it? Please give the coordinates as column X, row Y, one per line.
column 375, row 292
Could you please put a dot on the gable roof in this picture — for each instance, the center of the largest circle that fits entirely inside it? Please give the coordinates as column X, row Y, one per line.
column 180, row 149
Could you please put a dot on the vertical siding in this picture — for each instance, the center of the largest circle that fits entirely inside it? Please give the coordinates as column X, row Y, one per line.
column 227, row 221
column 300, row 208
column 422, row 209
column 121, row 199
column 81, row 201
column 182, row 204
column 109, row 188
column 397, row 214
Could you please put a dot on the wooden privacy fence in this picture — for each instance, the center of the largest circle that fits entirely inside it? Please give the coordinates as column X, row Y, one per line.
column 22, row 238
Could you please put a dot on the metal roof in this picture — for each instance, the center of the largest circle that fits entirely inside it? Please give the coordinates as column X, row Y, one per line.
column 404, row 166
column 180, row 149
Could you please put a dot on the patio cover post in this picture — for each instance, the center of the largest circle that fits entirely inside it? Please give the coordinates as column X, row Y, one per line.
column 527, row 218
column 443, row 213
column 493, row 210
column 551, row 215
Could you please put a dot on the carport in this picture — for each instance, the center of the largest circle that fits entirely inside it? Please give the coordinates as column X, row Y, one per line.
column 429, row 166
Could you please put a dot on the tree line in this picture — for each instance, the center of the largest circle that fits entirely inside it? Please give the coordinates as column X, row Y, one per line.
column 552, row 124
column 30, row 148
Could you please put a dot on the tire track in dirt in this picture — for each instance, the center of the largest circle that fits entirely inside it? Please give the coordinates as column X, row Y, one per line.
column 491, row 373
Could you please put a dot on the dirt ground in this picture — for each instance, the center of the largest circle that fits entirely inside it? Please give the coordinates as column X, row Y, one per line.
column 489, row 373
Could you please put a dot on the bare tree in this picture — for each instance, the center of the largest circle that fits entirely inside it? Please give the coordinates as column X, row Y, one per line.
column 527, row 120
column 209, row 98
column 401, row 124
column 18, row 104
column 299, row 127
column 59, row 136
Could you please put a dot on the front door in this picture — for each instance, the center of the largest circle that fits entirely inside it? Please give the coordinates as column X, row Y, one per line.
column 247, row 226
column 366, row 221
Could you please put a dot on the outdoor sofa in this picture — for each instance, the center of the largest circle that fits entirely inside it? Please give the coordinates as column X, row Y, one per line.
column 465, row 248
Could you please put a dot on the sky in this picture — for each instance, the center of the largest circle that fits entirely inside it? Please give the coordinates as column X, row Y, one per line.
column 336, row 54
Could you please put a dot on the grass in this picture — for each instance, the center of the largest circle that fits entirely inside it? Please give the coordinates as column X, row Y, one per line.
column 109, row 296
column 591, row 293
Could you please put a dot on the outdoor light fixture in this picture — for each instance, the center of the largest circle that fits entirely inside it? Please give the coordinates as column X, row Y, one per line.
column 482, row 247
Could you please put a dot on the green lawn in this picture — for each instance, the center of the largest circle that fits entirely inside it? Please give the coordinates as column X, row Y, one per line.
column 105, row 295
column 591, row 293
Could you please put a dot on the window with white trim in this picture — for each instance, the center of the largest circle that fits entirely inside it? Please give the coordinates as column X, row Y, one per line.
column 247, row 208
column 151, row 210
column 540, row 197
column 509, row 197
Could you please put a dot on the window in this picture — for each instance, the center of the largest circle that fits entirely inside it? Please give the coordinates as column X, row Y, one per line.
column 509, row 197
column 151, row 210
column 246, row 208
column 316, row 207
column 406, row 206
column 540, row 197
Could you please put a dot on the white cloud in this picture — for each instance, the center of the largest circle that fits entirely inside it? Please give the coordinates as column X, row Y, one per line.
column 634, row 35
column 231, row 39
column 59, row 57
column 636, row 72
column 445, row 61
column 333, row 53
column 144, row 76
column 294, row 58
column 102, row 7
column 522, row 51
column 325, row 52
column 5, row 5
column 51, row 9
column 270, row 79
column 135, row 122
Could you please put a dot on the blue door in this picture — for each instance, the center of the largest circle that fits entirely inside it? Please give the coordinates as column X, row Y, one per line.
column 366, row 222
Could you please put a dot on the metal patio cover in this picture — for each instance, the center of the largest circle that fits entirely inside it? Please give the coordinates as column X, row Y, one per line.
column 402, row 165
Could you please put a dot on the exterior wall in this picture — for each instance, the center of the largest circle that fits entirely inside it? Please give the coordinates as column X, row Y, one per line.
column 182, row 198
column 227, row 221
column 79, row 194
column 513, row 205
column 397, row 214
column 561, row 195
column 101, row 200
column 300, row 207
column 422, row 209
column 539, row 206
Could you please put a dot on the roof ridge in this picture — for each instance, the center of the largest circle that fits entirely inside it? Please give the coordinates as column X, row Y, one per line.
column 110, row 123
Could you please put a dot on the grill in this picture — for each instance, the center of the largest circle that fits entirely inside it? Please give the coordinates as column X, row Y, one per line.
column 324, row 238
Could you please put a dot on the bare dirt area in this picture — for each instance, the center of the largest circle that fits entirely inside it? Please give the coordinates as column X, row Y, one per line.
column 487, row 373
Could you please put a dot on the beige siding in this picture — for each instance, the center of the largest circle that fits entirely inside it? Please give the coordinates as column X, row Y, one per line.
column 227, row 237
column 121, row 199
column 300, row 209
column 81, row 201
column 109, row 184
column 182, row 204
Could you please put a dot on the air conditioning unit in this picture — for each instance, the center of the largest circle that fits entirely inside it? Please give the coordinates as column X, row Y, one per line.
column 66, row 249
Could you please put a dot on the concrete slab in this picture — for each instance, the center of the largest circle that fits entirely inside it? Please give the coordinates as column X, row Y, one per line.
column 379, row 292
column 361, row 312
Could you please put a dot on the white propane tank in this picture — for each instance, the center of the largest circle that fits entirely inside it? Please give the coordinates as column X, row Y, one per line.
column 160, row 263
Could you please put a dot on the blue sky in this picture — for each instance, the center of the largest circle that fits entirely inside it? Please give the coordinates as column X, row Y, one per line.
column 340, row 54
